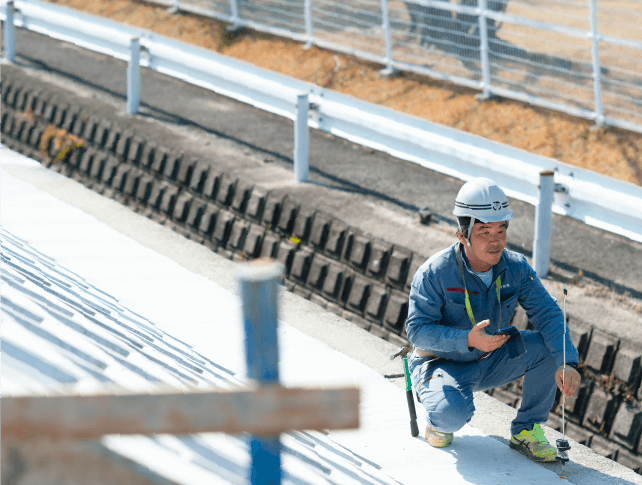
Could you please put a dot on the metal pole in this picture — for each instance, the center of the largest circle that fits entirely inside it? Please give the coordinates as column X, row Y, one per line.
column 483, row 51
column 259, row 291
column 307, row 5
column 385, row 23
column 301, row 139
column 597, row 70
column 9, row 33
column 543, row 224
column 133, row 76
column 234, row 9
column 175, row 8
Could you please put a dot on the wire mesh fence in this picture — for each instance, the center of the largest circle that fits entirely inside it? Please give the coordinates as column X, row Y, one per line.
column 583, row 57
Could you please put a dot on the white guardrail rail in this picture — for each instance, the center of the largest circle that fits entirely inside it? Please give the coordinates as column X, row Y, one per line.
column 597, row 200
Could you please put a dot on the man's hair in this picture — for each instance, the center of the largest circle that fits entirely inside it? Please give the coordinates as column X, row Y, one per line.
column 465, row 222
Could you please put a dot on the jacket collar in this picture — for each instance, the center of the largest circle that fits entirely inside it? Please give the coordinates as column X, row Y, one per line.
column 498, row 270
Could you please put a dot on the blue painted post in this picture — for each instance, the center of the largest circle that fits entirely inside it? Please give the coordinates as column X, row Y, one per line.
column 543, row 224
column 259, row 291
column 133, row 77
column 301, row 139
column 9, row 33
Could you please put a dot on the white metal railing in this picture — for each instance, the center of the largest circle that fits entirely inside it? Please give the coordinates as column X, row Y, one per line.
column 595, row 199
column 598, row 80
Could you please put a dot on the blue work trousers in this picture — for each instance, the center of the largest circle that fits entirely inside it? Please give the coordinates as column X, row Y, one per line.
column 446, row 388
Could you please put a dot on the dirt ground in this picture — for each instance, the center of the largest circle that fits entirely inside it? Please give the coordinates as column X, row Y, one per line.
column 610, row 151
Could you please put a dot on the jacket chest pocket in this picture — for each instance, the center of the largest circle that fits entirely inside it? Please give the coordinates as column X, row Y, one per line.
column 455, row 315
column 508, row 308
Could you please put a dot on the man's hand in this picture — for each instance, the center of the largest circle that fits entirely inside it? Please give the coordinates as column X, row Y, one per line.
column 571, row 381
column 479, row 339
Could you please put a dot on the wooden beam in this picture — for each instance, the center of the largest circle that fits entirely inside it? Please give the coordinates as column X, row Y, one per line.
column 266, row 410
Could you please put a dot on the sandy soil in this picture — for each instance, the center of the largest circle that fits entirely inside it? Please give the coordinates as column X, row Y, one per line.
column 612, row 152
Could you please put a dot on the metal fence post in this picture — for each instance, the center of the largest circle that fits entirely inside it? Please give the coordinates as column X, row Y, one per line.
column 307, row 12
column 385, row 23
column 133, row 76
column 9, row 33
column 175, row 8
column 543, row 224
column 259, row 291
column 597, row 69
column 301, row 139
column 483, row 51
column 234, row 10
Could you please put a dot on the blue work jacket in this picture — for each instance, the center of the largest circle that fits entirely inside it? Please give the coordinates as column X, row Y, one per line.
column 437, row 318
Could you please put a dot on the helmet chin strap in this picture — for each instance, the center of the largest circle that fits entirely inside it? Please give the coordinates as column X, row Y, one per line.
column 471, row 247
column 469, row 233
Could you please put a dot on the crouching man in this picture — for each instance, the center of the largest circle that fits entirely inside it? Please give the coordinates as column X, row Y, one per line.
column 459, row 300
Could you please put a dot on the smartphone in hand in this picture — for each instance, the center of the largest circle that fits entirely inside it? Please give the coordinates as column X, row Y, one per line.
column 507, row 331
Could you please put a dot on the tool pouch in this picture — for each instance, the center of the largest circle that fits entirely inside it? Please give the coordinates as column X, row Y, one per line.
column 515, row 344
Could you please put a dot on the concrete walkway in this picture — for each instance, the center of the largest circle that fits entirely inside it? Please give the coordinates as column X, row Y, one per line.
column 189, row 293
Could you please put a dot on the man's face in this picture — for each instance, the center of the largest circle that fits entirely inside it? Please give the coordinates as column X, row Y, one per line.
column 488, row 241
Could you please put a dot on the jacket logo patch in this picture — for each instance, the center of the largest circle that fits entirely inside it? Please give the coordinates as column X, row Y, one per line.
column 461, row 290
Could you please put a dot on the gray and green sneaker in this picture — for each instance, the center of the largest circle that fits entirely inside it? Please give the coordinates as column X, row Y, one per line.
column 437, row 438
column 534, row 445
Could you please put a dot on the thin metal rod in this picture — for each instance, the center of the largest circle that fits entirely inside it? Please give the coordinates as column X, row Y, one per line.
column 564, row 371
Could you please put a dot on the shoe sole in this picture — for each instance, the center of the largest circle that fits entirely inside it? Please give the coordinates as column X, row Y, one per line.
column 525, row 451
column 440, row 445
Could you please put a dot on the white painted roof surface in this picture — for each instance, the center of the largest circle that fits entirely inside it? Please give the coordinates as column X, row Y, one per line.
column 85, row 305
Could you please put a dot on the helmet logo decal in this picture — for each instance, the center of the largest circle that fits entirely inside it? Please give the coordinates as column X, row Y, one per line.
column 497, row 205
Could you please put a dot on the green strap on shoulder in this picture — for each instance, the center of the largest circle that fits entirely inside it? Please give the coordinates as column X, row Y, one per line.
column 469, row 310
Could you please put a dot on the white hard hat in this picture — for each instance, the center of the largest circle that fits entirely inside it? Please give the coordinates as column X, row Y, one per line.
column 481, row 199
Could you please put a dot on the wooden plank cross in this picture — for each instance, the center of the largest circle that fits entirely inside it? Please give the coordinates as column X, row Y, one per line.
column 264, row 408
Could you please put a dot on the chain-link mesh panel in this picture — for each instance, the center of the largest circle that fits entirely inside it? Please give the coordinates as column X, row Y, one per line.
column 439, row 39
column 541, row 49
column 621, row 64
column 621, row 82
column 216, row 8
column 282, row 14
column 355, row 25
column 547, row 65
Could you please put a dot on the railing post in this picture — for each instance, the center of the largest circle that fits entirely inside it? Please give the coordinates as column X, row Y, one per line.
column 483, row 51
column 133, row 77
column 9, row 33
column 307, row 12
column 543, row 224
column 301, row 139
column 597, row 69
column 259, row 292
column 385, row 23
